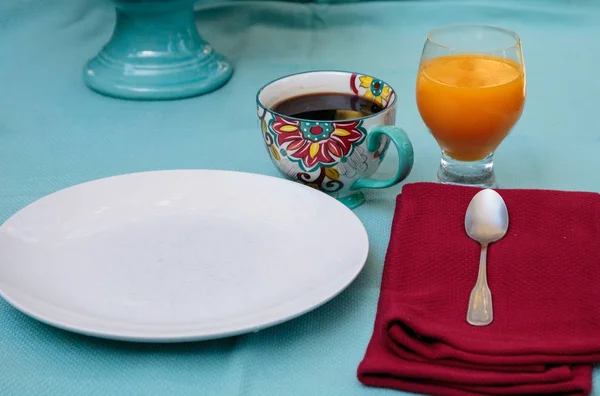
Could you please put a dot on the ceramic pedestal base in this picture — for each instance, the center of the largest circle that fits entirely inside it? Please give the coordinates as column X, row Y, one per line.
column 156, row 53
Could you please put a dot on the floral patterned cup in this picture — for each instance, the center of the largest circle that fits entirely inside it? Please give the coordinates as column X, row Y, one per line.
column 336, row 157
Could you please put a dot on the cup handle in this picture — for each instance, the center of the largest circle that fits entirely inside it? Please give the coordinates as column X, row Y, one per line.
column 405, row 156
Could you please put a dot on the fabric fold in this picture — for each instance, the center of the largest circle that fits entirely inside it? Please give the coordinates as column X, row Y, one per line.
column 544, row 280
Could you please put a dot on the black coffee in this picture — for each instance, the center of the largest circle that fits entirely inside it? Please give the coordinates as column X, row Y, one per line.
column 327, row 107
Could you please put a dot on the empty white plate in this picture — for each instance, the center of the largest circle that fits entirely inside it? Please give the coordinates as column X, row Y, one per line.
column 180, row 255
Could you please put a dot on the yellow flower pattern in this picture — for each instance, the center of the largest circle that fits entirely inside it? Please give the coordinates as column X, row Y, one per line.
column 377, row 91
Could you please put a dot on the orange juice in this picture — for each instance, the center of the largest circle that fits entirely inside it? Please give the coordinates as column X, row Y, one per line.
column 470, row 102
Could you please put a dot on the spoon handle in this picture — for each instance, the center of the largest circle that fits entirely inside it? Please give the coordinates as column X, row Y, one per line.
column 480, row 312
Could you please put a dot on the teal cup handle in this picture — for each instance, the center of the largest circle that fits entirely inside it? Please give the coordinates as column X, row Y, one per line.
column 405, row 156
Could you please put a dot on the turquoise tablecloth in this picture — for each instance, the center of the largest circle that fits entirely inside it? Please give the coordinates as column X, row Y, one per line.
column 55, row 133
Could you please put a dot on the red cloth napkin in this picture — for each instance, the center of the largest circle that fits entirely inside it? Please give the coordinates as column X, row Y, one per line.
column 545, row 281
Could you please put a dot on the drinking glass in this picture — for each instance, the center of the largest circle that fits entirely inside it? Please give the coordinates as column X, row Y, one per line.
column 470, row 93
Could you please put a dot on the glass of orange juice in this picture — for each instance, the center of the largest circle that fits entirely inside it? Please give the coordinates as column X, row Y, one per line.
column 470, row 93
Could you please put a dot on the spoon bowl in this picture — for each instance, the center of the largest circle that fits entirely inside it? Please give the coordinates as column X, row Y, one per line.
column 486, row 221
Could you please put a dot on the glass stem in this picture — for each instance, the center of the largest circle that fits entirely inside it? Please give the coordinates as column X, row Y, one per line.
column 473, row 173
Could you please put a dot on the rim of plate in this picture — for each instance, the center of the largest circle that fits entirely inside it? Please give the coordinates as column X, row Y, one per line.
column 198, row 332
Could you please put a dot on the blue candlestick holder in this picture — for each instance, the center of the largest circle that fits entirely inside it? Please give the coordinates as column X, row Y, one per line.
column 156, row 53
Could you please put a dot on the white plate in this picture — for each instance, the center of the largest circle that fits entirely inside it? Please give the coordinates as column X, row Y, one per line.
column 180, row 255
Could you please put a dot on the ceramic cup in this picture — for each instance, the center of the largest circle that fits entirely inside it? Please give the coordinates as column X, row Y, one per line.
column 336, row 157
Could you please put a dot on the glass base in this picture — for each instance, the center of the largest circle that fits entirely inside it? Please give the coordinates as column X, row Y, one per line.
column 473, row 173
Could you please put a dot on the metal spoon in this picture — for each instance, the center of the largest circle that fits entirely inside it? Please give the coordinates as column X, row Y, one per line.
column 486, row 221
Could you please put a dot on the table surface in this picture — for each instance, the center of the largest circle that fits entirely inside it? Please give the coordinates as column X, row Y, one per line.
column 55, row 133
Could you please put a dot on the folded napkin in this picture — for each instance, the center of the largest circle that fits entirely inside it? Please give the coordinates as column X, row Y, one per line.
column 545, row 281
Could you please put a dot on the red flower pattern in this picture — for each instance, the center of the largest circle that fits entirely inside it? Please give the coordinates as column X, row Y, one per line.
column 316, row 143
